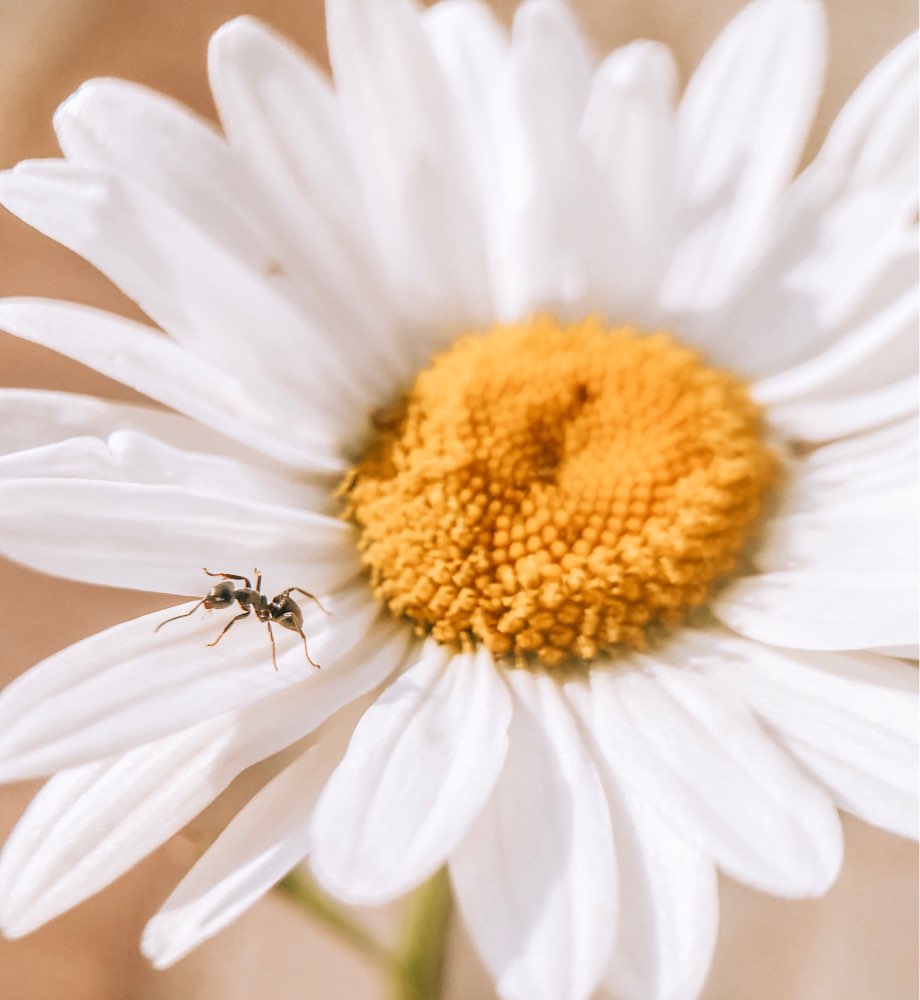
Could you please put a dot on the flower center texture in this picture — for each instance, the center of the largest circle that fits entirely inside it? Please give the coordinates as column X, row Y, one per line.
column 554, row 491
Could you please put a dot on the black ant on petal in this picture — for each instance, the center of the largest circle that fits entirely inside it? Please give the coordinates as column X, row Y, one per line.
column 282, row 609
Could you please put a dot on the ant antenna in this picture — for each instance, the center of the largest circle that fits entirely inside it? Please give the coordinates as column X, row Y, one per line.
column 177, row 617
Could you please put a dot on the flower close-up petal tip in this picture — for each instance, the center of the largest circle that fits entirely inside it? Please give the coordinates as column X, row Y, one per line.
column 419, row 767
column 544, row 926
column 512, row 433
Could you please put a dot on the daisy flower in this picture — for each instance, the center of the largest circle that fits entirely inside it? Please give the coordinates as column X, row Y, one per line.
column 587, row 420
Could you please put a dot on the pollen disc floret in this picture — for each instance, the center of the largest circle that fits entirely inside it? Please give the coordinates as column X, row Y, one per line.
column 555, row 490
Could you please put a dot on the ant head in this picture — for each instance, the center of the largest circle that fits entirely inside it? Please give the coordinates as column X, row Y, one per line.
column 221, row 595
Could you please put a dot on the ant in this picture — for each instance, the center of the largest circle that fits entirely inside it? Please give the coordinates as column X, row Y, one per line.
column 281, row 609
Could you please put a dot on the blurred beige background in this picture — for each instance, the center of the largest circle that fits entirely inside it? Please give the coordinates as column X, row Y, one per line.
column 860, row 943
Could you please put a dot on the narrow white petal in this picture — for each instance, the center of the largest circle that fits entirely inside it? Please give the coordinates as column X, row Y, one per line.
column 870, row 355
column 412, row 162
column 823, row 609
column 697, row 756
column 827, row 420
column 188, row 283
column 843, row 717
column 282, row 718
column 810, row 489
column 873, row 141
column 32, row 418
column 629, row 128
column 422, row 762
column 669, row 898
column 665, row 950
column 880, row 460
column 546, row 211
column 130, row 456
column 832, row 267
column 844, row 232
column 144, row 359
column 742, row 125
column 876, row 445
column 262, row 843
column 91, row 823
column 281, row 117
column 668, row 889
column 129, row 685
column 878, row 531
column 535, row 878
column 157, row 142
column 876, row 467
column 157, row 537
column 471, row 47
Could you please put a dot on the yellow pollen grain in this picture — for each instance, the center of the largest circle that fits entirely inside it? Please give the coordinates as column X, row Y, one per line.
column 553, row 491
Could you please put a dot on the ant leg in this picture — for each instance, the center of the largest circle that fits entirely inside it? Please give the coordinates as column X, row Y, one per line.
column 258, row 574
column 229, row 576
column 226, row 628
column 307, row 651
column 187, row 613
column 272, row 638
column 306, row 593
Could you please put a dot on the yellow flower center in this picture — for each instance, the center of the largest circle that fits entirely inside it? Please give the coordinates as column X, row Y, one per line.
column 553, row 491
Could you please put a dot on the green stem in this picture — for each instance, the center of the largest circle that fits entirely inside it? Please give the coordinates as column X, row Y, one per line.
column 303, row 892
column 417, row 968
column 424, row 941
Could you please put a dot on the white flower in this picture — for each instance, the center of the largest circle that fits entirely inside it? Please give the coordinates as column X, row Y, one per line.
column 306, row 268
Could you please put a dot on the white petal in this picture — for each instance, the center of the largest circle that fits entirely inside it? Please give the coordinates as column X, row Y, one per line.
column 91, row 823
column 546, row 212
column 830, row 270
column 262, row 843
column 159, row 143
column 422, row 762
column 812, row 609
column 535, row 878
column 827, row 420
column 885, row 459
column 871, row 355
column 742, row 125
column 412, row 162
column 856, row 734
column 697, row 756
column 32, row 418
column 669, row 897
column 126, row 456
column 873, row 141
column 189, row 284
column 287, row 716
column 129, row 685
column 878, row 531
column 843, row 231
column 156, row 537
column 471, row 48
column 629, row 128
column 281, row 117
column 155, row 142
column 668, row 892
column 144, row 359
